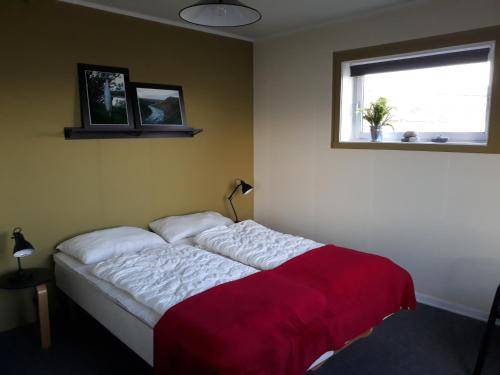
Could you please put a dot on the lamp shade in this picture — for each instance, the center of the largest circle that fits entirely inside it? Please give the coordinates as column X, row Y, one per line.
column 246, row 188
column 22, row 248
column 227, row 13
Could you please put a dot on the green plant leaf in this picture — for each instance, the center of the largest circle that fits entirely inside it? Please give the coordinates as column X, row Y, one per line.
column 378, row 113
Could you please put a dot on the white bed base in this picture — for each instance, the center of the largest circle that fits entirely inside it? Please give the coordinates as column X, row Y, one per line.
column 133, row 332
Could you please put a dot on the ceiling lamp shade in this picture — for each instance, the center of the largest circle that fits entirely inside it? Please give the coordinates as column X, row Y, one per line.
column 228, row 13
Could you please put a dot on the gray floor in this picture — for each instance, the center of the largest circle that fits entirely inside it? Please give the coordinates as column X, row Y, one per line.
column 426, row 341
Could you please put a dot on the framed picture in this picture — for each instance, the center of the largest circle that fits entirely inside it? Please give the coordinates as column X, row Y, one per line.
column 104, row 99
column 158, row 106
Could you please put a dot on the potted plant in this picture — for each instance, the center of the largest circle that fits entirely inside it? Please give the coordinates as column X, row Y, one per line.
column 378, row 115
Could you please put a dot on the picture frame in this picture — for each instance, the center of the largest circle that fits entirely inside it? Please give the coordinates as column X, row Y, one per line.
column 104, row 97
column 158, row 106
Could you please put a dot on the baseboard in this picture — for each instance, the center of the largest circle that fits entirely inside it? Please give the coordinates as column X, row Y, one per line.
column 452, row 307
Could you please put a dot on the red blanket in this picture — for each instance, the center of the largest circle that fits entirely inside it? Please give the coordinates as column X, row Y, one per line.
column 280, row 321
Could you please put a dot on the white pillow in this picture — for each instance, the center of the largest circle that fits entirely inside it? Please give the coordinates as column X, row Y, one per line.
column 103, row 244
column 175, row 228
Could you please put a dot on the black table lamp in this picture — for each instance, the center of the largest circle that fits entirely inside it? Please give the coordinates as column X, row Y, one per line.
column 22, row 248
column 245, row 189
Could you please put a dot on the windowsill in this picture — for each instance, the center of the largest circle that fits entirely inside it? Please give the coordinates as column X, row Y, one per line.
column 468, row 147
column 394, row 141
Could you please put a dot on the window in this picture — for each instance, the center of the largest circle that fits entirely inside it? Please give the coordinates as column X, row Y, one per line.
column 445, row 85
column 444, row 92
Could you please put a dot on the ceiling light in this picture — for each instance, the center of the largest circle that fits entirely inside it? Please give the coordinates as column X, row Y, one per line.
column 228, row 13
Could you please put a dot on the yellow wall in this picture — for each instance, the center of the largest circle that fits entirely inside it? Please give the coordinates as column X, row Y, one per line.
column 55, row 188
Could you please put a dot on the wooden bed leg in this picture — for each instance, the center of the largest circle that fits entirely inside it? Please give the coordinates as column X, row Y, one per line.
column 347, row 344
column 43, row 315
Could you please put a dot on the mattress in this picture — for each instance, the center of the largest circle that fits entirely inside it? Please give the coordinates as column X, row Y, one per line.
column 123, row 299
column 253, row 244
column 164, row 276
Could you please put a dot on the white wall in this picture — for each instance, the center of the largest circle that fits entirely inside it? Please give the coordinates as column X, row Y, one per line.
column 436, row 214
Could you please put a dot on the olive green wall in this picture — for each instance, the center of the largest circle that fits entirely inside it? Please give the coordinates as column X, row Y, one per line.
column 55, row 188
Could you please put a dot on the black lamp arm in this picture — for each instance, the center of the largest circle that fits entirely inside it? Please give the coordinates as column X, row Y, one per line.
column 234, row 191
column 230, row 199
column 236, row 219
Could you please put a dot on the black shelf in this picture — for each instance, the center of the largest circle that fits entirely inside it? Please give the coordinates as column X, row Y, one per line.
column 82, row 133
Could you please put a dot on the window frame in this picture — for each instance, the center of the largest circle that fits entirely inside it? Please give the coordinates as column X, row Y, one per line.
column 479, row 138
column 471, row 142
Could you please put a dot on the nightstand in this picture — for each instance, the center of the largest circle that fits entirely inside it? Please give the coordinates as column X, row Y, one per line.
column 38, row 280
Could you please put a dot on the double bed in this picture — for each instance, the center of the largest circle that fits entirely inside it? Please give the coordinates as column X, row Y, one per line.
column 104, row 292
column 127, row 319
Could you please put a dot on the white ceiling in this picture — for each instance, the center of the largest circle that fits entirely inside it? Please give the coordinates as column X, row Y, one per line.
column 278, row 16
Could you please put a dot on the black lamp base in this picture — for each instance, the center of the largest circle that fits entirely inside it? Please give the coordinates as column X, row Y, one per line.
column 21, row 275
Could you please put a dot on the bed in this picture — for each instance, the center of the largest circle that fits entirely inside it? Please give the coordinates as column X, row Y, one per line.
column 246, row 251
column 129, row 320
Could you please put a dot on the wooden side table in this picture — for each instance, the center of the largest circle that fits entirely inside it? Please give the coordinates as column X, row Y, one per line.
column 38, row 280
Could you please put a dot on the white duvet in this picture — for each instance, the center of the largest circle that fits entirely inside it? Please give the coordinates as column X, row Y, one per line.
column 253, row 244
column 164, row 276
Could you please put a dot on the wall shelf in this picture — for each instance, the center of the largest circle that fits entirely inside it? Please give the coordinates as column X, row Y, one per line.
column 82, row 133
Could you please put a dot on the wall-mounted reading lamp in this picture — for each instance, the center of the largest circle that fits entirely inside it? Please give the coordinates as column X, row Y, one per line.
column 245, row 189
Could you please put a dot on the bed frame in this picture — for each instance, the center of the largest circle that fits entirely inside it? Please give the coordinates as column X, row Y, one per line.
column 133, row 332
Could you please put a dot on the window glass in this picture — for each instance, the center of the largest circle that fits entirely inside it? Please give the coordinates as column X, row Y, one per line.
column 448, row 99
